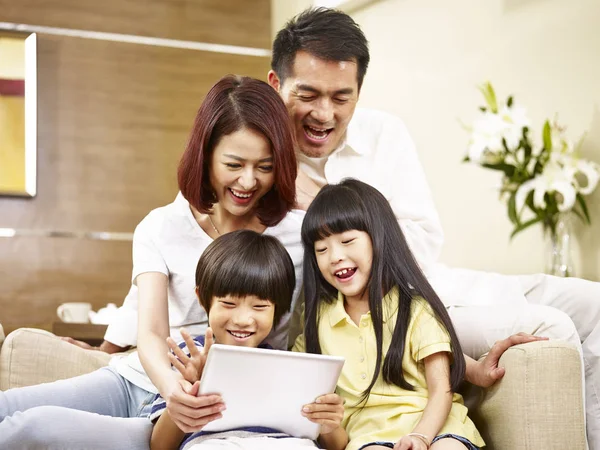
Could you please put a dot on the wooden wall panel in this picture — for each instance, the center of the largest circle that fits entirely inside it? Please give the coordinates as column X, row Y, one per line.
column 113, row 119
column 38, row 274
column 234, row 22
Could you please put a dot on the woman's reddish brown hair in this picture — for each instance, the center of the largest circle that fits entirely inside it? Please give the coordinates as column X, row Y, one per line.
column 232, row 104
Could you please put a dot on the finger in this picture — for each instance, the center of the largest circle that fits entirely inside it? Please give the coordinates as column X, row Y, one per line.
column 323, row 407
column 195, row 388
column 177, row 350
column 176, row 363
column 331, row 399
column 193, row 402
column 77, row 343
column 323, row 416
column 497, row 373
column 209, row 340
column 189, row 342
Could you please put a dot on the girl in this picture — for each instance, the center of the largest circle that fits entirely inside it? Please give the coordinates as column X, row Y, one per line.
column 237, row 172
column 245, row 282
column 367, row 300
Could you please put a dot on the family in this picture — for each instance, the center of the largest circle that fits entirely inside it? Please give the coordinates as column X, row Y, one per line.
column 286, row 187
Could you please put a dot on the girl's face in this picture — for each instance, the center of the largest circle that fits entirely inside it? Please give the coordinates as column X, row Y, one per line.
column 243, row 321
column 241, row 171
column 345, row 260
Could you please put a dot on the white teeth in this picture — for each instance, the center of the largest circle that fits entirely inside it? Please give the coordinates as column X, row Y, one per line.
column 240, row 195
column 314, row 136
column 240, row 335
column 341, row 272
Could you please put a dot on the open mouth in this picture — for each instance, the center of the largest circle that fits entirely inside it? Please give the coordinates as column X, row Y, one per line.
column 240, row 335
column 240, row 196
column 346, row 273
column 317, row 134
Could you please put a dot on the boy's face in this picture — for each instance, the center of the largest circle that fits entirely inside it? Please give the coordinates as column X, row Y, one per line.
column 243, row 321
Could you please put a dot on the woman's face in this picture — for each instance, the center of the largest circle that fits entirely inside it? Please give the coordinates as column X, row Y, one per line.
column 241, row 171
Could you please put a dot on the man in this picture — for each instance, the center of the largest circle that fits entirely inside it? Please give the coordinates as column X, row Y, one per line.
column 318, row 65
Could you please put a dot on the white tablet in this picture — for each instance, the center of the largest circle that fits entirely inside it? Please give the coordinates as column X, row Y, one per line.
column 268, row 388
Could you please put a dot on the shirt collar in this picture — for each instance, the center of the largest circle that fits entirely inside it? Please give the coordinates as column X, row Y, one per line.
column 353, row 140
column 390, row 308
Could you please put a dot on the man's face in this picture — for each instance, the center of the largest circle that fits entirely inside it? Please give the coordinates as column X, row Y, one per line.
column 320, row 97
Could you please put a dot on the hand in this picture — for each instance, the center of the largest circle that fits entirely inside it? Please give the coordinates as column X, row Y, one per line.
column 410, row 443
column 487, row 371
column 190, row 367
column 80, row 344
column 190, row 411
column 327, row 410
column 106, row 347
column 306, row 190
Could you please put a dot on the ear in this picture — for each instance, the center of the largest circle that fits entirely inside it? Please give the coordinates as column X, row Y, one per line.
column 274, row 80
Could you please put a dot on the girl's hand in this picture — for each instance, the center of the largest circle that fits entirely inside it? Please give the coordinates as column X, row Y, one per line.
column 411, row 443
column 327, row 410
column 190, row 411
column 190, row 367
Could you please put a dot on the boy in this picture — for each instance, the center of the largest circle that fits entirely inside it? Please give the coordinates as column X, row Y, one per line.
column 244, row 280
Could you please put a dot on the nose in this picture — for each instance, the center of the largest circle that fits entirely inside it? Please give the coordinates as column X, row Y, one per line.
column 242, row 318
column 323, row 111
column 335, row 255
column 247, row 179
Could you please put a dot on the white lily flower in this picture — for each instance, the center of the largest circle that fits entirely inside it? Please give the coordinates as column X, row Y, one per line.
column 486, row 136
column 554, row 178
column 515, row 119
column 591, row 172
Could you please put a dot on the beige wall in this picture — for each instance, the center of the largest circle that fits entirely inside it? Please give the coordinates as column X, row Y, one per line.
column 428, row 56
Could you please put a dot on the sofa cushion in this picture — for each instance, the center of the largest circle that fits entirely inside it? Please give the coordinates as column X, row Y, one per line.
column 31, row 356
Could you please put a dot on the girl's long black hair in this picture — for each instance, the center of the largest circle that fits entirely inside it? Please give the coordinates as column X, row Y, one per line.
column 354, row 205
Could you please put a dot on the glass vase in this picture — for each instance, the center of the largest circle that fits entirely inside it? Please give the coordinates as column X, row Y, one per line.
column 559, row 262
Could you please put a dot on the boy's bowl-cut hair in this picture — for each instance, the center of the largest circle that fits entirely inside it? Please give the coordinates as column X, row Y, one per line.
column 244, row 263
column 232, row 104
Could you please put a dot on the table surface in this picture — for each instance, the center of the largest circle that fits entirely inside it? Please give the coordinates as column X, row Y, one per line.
column 91, row 333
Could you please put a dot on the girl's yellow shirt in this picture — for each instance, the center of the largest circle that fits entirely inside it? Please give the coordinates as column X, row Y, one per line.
column 390, row 411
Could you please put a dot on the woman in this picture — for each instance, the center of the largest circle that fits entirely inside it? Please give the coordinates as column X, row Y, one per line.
column 237, row 172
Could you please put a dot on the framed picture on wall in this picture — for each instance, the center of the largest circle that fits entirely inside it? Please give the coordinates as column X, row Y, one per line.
column 18, row 114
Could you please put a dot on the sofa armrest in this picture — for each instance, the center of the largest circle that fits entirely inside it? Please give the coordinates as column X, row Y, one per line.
column 30, row 356
column 538, row 404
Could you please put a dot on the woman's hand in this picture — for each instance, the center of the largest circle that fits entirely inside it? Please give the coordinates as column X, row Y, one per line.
column 190, row 367
column 188, row 410
column 327, row 410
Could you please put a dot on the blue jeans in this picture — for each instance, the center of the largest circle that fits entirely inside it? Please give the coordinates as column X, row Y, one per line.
column 99, row 410
column 468, row 444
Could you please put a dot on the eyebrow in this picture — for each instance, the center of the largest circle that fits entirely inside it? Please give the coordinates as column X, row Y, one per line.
column 240, row 159
column 309, row 88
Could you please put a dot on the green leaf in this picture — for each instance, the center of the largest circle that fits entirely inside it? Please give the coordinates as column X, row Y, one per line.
column 466, row 159
column 512, row 209
column 525, row 225
column 509, row 102
column 508, row 169
column 586, row 213
column 547, row 135
column 490, row 96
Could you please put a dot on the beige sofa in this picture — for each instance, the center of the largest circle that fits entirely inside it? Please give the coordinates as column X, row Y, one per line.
column 536, row 406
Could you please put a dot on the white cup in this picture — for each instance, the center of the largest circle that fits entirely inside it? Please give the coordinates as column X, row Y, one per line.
column 76, row 312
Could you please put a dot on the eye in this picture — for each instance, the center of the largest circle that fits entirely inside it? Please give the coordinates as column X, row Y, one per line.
column 227, row 304
column 261, row 307
column 233, row 165
column 320, row 249
column 306, row 98
column 266, row 168
column 340, row 101
column 348, row 241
